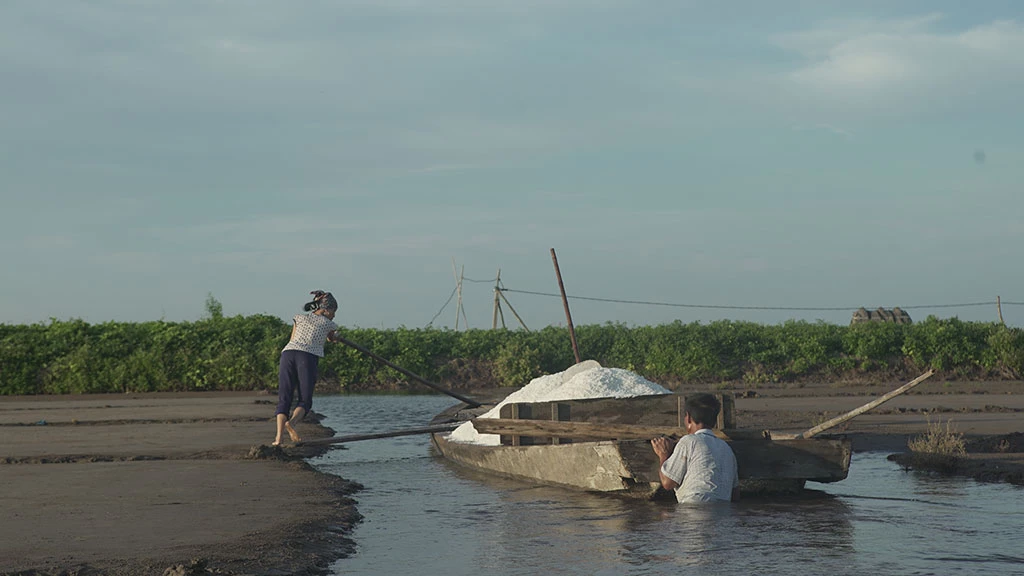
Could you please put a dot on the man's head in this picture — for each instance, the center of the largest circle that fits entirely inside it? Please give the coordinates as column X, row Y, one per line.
column 702, row 409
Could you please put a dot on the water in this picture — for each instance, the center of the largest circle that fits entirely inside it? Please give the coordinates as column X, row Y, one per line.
column 425, row 516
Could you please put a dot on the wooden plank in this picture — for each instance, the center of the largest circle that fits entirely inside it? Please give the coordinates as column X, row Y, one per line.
column 560, row 413
column 575, row 430
column 727, row 415
column 656, row 410
column 758, row 459
column 391, row 434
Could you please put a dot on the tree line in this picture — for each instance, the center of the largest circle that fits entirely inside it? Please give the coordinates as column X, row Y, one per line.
column 241, row 353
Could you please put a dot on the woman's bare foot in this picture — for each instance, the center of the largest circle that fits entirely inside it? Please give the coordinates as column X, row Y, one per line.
column 277, row 442
column 291, row 432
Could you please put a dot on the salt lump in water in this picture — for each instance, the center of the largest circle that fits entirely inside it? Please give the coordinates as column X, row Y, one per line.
column 596, row 382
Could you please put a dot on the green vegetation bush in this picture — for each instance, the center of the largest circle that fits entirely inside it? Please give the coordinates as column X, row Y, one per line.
column 241, row 353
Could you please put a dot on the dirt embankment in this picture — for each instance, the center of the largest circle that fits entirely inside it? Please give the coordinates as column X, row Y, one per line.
column 155, row 483
column 988, row 415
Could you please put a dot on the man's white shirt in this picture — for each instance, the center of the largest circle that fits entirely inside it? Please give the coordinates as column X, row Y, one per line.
column 703, row 466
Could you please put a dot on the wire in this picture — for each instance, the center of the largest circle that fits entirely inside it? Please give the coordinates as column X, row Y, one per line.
column 479, row 281
column 729, row 307
column 446, row 302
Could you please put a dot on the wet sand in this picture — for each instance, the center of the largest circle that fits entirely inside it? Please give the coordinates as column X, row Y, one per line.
column 136, row 484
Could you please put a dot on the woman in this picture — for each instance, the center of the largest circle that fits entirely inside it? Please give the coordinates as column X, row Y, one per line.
column 299, row 358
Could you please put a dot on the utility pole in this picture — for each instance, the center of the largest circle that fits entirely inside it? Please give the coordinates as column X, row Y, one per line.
column 497, row 304
column 459, row 277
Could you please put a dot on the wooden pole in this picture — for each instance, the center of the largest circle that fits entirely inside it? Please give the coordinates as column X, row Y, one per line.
column 497, row 302
column 458, row 289
column 509, row 304
column 472, row 403
column 462, row 276
column 392, row 434
column 565, row 303
column 858, row 411
column 999, row 309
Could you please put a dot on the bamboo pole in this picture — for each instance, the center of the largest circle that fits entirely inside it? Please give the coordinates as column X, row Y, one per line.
column 497, row 302
column 858, row 411
column 458, row 290
column 565, row 303
column 509, row 304
column 472, row 403
column 999, row 309
column 392, row 434
column 462, row 276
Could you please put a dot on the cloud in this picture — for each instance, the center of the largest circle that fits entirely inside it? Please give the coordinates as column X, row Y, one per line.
column 909, row 62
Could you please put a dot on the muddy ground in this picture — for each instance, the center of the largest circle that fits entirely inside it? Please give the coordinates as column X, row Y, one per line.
column 143, row 483
column 989, row 415
column 139, row 484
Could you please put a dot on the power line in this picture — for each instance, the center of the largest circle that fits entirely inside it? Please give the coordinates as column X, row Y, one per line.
column 732, row 307
column 445, row 305
column 479, row 281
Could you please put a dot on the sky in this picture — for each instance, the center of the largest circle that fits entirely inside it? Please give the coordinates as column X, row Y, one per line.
column 791, row 154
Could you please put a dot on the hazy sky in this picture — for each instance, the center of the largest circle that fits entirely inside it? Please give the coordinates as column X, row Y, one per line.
column 778, row 154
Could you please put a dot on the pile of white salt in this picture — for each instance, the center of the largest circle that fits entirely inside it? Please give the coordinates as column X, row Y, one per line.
column 597, row 382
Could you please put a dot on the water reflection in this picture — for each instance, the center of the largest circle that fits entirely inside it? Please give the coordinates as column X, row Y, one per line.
column 538, row 528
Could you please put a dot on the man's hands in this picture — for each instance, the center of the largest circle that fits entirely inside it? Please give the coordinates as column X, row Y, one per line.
column 663, row 447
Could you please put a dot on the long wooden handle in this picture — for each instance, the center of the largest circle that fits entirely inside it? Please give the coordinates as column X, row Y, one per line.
column 858, row 411
column 472, row 403
column 392, row 434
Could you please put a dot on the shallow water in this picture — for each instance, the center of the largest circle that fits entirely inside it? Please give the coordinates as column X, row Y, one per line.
column 425, row 516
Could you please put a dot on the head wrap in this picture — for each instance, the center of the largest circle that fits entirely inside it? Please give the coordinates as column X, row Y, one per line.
column 321, row 301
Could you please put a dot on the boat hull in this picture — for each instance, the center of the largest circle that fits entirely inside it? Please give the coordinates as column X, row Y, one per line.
column 629, row 467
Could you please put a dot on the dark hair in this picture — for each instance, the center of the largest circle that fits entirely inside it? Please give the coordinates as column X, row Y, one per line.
column 321, row 301
column 703, row 409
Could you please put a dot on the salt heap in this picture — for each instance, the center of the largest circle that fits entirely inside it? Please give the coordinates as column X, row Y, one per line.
column 596, row 382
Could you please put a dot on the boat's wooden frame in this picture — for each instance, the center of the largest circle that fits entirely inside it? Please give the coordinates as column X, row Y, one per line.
column 603, row 445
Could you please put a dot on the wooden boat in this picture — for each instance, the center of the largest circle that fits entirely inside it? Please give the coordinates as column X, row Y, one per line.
column 603, row 445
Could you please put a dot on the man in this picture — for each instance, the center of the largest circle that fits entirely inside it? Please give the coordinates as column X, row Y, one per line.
column 700, row 466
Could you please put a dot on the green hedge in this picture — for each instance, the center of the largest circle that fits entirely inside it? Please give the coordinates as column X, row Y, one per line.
column 241, row 353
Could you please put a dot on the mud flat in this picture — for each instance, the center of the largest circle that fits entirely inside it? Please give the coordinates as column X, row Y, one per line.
column 990, row 416
column 139, row 484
